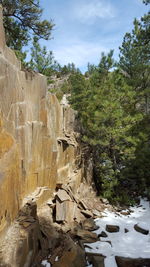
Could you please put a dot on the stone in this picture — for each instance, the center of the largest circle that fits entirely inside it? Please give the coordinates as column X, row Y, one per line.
column 70, row 193
column 70, row 254
column 24, row 241
column 29, row 210
column 105, row 201
column 50, row 203
column 83, row 205
column 61, row 211
column 87, row 246
column 65, row 211
column 66, row 141
column 129, row 262
column 97, row 260
column 89, row 224
column 59, row 186
column 87, row 213
column 26, row 224
column 62, row 195
column 71, row 211
column 141, row 230
column 21, row 218
column 86, row 236
column 79, row 217
column 126, row 230
column 102, row 234
column 96, row 213
column 125, row 212
column 112, row 228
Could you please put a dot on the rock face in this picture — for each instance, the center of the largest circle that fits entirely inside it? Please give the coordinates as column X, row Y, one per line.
column 38, row 147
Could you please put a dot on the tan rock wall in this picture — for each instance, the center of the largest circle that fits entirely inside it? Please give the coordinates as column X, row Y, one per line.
column 37, row 140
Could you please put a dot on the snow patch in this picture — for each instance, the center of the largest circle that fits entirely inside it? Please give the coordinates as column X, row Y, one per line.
column 127, row 244
column 46, row 263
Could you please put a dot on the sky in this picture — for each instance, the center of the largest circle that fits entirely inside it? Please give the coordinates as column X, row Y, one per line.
column 86, row 28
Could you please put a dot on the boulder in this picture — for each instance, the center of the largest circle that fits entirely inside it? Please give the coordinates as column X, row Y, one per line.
column 96, row 213
column 69, row 192
column 97, row 260
column 129, row 262
column 85, row 236
column 87, row 213
column 71, row 255
column 82, row 205
column 102, row 234
column 112, row 228
column 141, row 230
column 89, row 224
column 60, row 211
column 65, row 211
column 105, row 201
column 29, row 209
column 62, row 195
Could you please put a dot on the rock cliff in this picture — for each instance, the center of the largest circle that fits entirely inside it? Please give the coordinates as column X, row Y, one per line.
column 38, row 139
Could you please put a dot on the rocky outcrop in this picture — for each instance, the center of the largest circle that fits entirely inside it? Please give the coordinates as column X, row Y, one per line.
column 38, row 139
column 29, row 239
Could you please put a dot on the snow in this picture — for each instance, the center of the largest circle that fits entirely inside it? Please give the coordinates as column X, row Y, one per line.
column 46, row 263
column 131, row 244
column 56, row 259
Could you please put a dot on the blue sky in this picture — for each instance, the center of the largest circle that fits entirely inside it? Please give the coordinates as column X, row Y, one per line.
column 85, row 28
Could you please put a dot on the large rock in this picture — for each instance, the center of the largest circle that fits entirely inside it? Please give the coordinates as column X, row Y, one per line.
column 102, row 234
column 24, row 243
column 68, row 254
column 62, row 195
column 85, row 236
column 141, row 230
column 65, row 211
column 87, row 213
column 97, row 260
column 89, row 224
column 129, row 262
column 112, row 228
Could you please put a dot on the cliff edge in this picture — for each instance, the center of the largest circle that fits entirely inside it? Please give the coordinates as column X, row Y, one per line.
column 38, row 147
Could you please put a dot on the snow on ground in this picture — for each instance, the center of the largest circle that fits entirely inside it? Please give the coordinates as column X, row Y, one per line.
column 46, row 263
column 131, row 244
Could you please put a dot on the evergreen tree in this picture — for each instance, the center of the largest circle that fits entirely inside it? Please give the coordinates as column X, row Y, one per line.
column 69, row 69
column 135, row 60
column 22, row 18
column 42, row 60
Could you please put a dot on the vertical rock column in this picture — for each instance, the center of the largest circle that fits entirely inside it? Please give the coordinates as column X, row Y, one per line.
column 2, row 34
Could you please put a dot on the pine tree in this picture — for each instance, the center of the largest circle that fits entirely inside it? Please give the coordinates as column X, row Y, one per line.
column 135, row 60
column 42, row 60
column 21, row 18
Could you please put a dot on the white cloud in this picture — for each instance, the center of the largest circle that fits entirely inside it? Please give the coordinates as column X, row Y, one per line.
column 88, row 11
column 79, row 53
